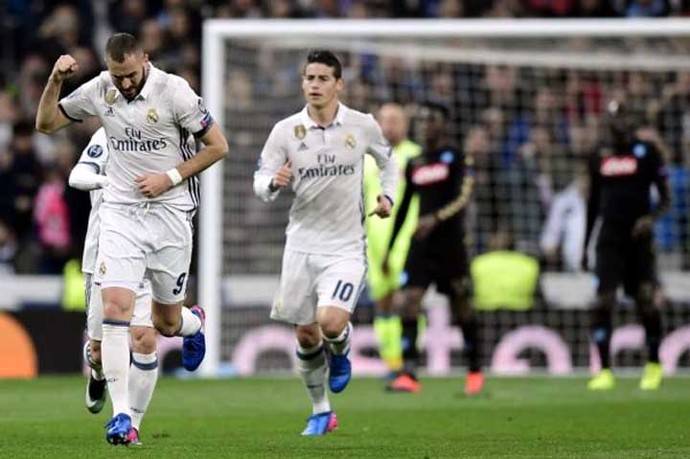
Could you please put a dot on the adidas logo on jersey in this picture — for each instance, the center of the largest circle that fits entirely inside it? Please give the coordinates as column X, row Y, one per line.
column 615, row 166
column 302, row 147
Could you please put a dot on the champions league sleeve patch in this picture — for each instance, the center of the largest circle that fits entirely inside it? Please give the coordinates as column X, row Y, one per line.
column 94, row 151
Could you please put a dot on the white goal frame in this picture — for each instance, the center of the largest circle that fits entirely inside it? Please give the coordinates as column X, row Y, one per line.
column 217, row 31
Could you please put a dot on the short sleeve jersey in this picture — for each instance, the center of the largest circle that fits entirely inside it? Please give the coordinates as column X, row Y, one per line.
column 327, row 214
column 149, row 134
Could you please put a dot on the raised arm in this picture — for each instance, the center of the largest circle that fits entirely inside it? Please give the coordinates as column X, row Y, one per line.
column 49, row 116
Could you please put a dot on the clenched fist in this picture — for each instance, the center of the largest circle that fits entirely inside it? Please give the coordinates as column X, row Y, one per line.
column 283, row 177
column 64, row 68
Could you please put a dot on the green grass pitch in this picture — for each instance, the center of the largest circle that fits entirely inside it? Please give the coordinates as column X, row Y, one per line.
column 516, row 417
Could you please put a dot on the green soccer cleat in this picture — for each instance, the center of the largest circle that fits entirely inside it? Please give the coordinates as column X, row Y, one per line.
column 651, row 376
column 603, row 380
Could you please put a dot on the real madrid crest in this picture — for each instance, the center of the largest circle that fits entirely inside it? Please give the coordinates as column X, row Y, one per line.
column 101, row 269
column 350, row 142
column 152, row 115
column 300, row 131
column 110, row 96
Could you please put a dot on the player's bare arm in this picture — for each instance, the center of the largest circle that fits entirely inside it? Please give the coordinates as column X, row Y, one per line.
column 49, row 118
column 215, row 149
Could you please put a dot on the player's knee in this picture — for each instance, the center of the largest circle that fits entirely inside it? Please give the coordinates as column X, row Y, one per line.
column 116, row 309
column 167, row 326
column 308, row 336
column 332, row 328
column 143, row 340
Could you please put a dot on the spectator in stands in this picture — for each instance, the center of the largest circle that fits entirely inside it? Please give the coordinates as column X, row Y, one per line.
column 8, row 249
column 8, row 116
column 487, row 194
column 52, row 214
column 563, row 237
column 550, row 8
column 646, row 8
column 528, row 184
column 545, row 113
column 25, row 171
column 127, row 15
column 594, row 9
column 238, row 9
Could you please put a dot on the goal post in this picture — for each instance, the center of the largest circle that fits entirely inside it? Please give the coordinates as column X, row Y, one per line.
column 240, row 240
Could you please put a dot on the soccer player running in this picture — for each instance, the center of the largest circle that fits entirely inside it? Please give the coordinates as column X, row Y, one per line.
column 443, row 179
column 382, row 286
column 149, row 202
column 622, row 173
column 319, row 152
column 89, row 175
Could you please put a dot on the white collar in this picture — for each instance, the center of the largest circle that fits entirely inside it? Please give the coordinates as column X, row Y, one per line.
column 148, row 84
column 310, row 123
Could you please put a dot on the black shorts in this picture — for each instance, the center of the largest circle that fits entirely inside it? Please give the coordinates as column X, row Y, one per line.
column 622, row 260
column 433, row 261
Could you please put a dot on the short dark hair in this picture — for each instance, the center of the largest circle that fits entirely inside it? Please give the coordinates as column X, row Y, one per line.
column 120, row 45
column 326, row 57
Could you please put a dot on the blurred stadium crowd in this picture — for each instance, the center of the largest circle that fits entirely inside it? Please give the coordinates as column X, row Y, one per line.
column 42, row 221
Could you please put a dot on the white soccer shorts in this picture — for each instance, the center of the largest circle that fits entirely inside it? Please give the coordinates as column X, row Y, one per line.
column 148, row 240
column 310, row 281
column 94, row 310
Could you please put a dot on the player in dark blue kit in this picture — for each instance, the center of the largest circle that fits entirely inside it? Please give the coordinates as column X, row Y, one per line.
column 442, row 177
column 622, row 173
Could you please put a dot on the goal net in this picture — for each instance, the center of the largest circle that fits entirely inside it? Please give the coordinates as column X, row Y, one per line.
column 527, row 100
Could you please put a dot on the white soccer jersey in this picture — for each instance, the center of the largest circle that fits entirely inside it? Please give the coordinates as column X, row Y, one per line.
column 327, row 215
column 146, row 135
column 95, row 155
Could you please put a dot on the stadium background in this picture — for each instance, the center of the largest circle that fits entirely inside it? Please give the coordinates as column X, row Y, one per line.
column 528, row 125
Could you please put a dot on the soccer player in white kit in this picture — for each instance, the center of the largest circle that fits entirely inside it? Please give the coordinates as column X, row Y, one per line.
column 149, row 202
column 320, row 153
column 89, row 175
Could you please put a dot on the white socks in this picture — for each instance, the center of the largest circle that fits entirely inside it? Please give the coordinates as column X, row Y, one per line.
column 312, row 366
column 341, row 344
column 115, row 358
column 190, row 323
column 143, row 374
